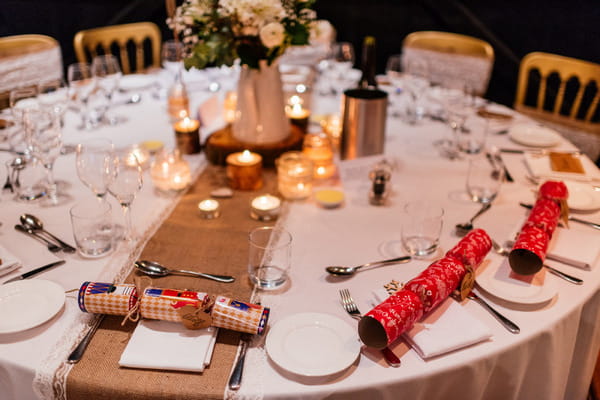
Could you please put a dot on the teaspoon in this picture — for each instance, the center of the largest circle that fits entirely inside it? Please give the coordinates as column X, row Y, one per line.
column 463, row 229
column 34, row 223
column 51, row 246
column 342, row 270
column 153, row 268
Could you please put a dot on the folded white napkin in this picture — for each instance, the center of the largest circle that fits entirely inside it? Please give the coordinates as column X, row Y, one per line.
column 539, row 166
column 169, row 346
column 576, row 248
column 8, row 261
column 447, row 328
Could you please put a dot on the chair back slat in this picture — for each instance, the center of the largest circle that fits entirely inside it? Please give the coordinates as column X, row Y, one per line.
column 575, row 105
column 137, row 33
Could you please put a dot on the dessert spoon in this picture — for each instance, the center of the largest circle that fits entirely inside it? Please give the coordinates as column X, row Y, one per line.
column 342, row 270
column 34, row 223
column 463, row 229
column 153, row 268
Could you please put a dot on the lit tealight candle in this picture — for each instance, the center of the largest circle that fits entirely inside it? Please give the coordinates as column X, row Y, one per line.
column 244, row 170
column 297, row 114
column 265, row 207
column 209, row 209
column 187, row 135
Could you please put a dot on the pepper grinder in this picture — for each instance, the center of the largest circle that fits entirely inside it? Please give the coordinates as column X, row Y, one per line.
column 380, row 175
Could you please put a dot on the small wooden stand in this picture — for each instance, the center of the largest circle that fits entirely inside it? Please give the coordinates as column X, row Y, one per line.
column 221, row 143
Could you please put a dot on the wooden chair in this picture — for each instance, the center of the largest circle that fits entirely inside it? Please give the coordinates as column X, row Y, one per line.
column 26, row 60
column 119, row 40
column 453, row 60
column 561, row 90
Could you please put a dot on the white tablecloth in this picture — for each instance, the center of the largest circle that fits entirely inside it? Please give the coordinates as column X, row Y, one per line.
column 552, row 357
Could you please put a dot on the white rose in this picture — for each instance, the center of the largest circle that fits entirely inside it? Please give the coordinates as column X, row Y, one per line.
column 272, row 34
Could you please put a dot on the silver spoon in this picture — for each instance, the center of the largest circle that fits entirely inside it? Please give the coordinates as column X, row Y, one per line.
column 51, row 246
column 153, row 268
column 34, row 223
column 503, row 251
column 341, row 270
column 463, row 229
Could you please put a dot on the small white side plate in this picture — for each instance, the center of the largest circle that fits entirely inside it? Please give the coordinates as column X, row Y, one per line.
column 499, row 279
column 582, row 197
column 313, row 344
column 534, row 135
column 28, row 303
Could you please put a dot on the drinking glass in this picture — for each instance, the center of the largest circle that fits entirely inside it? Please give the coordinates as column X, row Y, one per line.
column 93, row 160
column 421, row 227
column 269, row 257
column 484, row 178
column 24, row 106
column 472, row 137
column 91, row 228
column 342, row 62
column 85, row 93
column 125, row 182
column 46, row 142
column 107, row 71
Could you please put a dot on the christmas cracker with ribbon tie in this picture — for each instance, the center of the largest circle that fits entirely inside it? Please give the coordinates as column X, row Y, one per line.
column 196, row 310
column 529, row 250
column 455, row 271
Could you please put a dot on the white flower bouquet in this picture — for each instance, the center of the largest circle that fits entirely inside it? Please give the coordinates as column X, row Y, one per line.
column 217, row 32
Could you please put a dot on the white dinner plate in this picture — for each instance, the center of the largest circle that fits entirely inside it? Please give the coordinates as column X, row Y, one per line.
column 136, row 82
column 582, row 197
column 28, row 303
column 534, row 135
column 499, row 280
column 313, row 344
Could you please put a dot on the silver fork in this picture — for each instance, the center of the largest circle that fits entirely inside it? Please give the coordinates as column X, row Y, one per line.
column 351, row 308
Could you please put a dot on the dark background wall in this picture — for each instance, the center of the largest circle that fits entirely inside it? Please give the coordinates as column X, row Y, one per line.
column 514, row 28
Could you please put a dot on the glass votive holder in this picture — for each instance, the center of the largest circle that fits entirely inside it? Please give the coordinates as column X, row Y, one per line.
column 318, row 147
column 294, row 175
column 170, row 172
column 141, row 154
column 297, row 112
column 244, row 170
column 187, row 135
column 265, row 207
column 209, row 209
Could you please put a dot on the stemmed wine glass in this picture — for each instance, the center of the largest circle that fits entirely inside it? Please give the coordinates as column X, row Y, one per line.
column 53, row 95
column 46, row 142
column 107, row 71
column 342, row 55
column 24, row 105
column 82, row 88
column 93, row 160
column 125, row 182
column 172, row 56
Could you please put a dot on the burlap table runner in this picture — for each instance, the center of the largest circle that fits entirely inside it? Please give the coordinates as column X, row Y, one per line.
column 183, row 241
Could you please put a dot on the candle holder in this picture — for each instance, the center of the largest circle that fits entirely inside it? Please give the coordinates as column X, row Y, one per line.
column 294, row 175
column 209, row 209
column 296, row 112
column 332, row 126
column 138, row 155
column 187, row 135
column 265, row 207
column 318, row 147
column 170, row 172
column 244, row 170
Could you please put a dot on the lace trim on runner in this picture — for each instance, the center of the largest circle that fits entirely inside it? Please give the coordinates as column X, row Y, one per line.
column 453, row 71
column 50, row 380
column 29, row 69
column 256, row 355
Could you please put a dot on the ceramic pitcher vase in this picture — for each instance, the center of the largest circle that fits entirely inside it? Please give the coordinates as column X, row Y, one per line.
column 260, row 117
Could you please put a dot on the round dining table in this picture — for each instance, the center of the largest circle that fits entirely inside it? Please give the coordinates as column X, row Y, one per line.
column 552, row 357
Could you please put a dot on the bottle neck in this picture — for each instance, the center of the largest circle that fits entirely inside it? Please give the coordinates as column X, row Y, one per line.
column 367, row 80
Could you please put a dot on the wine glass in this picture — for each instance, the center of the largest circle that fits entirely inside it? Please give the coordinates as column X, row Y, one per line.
column 82, row 88
column 172, row 56
column 24, row 106
column 125, row 182
column 107, row 71
column 393, row 71
column 93, row 160
column 342, row 62
column 46, row 142
column 53, row 95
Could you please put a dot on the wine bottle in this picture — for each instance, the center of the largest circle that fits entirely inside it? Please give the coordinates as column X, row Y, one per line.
column 178, row 100
column 367, row 81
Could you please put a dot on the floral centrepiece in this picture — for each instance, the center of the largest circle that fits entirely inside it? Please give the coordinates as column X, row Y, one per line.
column 217, row 32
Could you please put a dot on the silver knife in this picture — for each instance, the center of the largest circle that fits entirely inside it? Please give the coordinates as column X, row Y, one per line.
column 35, row 271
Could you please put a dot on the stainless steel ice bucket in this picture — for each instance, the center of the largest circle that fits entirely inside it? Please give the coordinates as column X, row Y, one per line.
column 363, row 126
